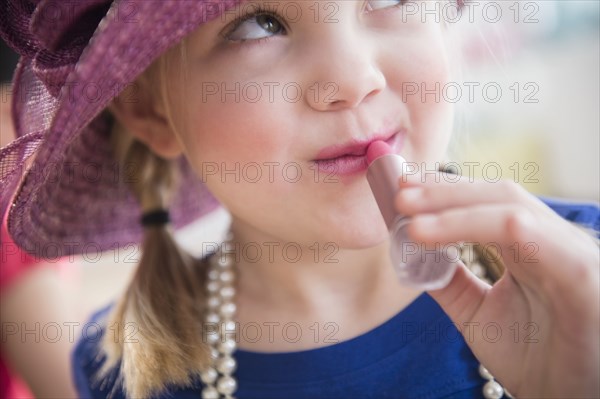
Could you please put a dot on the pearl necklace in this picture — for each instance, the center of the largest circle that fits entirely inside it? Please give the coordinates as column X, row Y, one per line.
column 220, row 312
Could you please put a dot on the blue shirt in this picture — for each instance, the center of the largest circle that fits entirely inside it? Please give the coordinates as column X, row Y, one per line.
column 418, row 353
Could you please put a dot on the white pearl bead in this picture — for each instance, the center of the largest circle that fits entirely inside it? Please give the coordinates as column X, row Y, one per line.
column 213, row 274
column 227, row 292
column 227, row 347
column 213, row 301
column 226, row 276
column 212, row 338
column 210, row 393
column 477, row 269
column 209, row 375
column 226, row 385
column 492, row 390
column 227, row 309
column 484, row 373
column 212, row 318
column 213, row 286
column 214, row 354
column 228, row 326
column 226, row 365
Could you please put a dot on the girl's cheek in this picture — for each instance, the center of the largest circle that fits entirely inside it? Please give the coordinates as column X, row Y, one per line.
column 419, row 83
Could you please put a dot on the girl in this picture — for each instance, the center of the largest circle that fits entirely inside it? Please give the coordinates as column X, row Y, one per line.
column 272, row 107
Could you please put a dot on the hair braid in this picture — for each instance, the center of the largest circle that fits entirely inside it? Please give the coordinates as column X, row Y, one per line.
column 158, row 321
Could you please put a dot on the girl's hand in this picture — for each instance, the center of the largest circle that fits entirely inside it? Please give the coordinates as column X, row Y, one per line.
column 537, row 330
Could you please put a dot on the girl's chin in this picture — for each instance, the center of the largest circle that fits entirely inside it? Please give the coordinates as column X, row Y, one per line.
column 355, row 236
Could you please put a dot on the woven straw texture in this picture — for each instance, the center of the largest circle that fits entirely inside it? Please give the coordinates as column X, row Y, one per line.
column 76, row 57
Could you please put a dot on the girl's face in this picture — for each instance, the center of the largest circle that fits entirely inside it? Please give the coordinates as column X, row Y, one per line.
column 272, row 87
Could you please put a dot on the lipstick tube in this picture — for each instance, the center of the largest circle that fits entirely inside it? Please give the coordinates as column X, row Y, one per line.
column 416, row 265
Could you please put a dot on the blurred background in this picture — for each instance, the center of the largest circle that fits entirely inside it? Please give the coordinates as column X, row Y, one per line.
column 543, row 130
column 533, row 117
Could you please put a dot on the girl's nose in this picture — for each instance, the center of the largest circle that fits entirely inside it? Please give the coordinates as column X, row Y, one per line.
column 345, row 76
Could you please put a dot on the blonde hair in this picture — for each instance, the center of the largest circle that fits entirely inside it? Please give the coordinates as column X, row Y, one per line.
column 164, row 301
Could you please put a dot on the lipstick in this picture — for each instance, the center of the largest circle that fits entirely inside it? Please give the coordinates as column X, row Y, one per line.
column 350, row 158
column 415, row 264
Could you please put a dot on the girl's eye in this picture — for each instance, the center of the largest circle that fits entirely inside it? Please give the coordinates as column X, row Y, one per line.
column 258, row 25
column 379, row 4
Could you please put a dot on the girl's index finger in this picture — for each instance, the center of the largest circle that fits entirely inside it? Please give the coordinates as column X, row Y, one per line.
column 413, row 175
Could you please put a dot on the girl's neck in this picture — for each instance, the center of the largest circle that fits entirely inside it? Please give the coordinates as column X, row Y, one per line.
column 356, row 289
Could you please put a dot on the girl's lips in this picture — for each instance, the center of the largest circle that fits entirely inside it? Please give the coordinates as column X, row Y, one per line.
column 350, row 164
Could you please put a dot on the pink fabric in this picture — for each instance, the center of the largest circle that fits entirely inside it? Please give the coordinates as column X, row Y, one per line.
column 11, row 387
column 13, row 262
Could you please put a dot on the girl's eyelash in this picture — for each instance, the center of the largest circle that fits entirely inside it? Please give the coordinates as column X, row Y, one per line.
column 258, row 10
column 400, row 4
column 261, row 10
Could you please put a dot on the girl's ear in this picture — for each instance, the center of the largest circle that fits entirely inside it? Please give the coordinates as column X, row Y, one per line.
column 138, row 113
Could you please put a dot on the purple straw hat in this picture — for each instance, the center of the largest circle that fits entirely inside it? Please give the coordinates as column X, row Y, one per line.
column 76, row 57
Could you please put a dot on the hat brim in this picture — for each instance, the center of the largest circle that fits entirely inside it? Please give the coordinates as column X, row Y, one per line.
column 75, row 198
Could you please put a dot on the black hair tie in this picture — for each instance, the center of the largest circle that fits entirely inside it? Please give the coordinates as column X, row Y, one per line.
column 157, row 217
